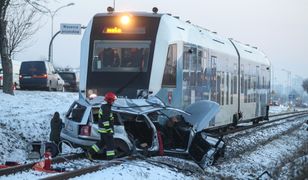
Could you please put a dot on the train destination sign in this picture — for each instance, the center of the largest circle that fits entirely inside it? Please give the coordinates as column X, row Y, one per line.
column 70, row 28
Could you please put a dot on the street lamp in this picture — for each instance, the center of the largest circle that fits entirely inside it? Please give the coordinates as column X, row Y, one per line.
column 52, row 15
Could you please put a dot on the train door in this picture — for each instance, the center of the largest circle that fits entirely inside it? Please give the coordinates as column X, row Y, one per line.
column 258, row 98
column 201, row 69
column 264, row 87
column 213, row 72
column 189, row 74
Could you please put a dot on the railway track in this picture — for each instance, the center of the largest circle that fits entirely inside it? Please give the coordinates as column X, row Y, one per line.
column 28, row 166
column 90, row 169
column 244, row 125
column 107, row 164
column 68, row 174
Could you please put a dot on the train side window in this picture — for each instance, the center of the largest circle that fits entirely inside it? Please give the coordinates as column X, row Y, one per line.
column 242, row 78
column 235, row 79
column 223, row 81
column 245, row 89
column 218, row 87
column 232, row 90
column 169, row 78
column 213, row 79
column 227, row 90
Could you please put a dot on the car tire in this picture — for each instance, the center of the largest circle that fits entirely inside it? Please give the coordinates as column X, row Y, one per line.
column 49, row 87
column 56, row 87
column 208, row 159
column 121, row 148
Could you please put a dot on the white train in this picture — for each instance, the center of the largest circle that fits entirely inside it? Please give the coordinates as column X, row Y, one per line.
column 137, row 54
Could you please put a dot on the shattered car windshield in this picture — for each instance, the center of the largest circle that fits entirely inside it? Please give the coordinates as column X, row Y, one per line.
column 162, row 116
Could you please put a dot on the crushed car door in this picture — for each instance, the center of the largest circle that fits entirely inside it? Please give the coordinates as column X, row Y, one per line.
column 201, row 113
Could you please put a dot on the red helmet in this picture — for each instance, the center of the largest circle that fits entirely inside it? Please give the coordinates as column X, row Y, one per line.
column 110, row 97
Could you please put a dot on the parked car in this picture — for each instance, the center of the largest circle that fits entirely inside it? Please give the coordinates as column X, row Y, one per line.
column 39, row 75
column 71, row 80
column 139, row 126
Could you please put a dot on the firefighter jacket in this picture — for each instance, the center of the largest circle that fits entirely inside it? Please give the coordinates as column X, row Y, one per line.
column 105, row 122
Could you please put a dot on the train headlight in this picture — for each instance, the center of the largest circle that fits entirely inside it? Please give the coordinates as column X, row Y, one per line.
column 125, row 19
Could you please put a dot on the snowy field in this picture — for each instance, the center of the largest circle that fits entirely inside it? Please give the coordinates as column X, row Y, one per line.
column 280, row 150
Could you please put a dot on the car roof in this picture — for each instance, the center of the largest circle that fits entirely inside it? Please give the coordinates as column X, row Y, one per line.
column 198, row 114
column 132, row 106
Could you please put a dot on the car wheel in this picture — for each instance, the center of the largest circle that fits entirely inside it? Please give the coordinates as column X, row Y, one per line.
column 121, row 148
column 56, row 87
column 208, row 159
column 49, row 87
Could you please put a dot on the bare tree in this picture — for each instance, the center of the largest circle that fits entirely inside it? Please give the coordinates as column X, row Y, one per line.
column 21, row 27
column 5, row 57
column 305, row 85
column 17, row 24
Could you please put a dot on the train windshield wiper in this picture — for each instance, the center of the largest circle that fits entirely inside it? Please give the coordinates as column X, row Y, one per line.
column 129, row 82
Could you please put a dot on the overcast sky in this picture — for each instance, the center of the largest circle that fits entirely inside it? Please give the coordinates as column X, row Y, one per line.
column 277, row 27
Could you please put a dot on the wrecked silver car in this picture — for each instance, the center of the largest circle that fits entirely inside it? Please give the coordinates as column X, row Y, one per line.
column 148, row 126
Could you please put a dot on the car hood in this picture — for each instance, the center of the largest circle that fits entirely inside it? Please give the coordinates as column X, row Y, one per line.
column 201, row 113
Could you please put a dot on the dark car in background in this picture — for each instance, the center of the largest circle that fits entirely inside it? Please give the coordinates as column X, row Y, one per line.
column 71, row 82
column 39, row 75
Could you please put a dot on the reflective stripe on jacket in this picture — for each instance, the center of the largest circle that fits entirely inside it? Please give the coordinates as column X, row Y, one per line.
column 105, row 122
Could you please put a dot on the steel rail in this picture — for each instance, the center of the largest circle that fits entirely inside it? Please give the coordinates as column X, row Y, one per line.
column 90, row 169
column 224, row 129
column 242, row 128
column 24, row 167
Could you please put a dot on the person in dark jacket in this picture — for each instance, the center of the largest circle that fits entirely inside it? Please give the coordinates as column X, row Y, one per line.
column 106, row 130
column 56, row 127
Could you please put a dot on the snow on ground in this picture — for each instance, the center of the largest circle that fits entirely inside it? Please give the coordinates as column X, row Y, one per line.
column 281, row 148
column 25, row 117
column 268, row 157
column 135, row 170
column 278, row 109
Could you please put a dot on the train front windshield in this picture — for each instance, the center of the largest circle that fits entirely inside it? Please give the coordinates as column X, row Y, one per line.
column 120, row 56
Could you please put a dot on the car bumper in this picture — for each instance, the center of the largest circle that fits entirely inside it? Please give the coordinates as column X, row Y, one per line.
column 70, row 88
column 33, row 83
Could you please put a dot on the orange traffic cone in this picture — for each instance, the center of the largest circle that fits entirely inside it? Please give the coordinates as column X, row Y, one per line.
column 47, row 159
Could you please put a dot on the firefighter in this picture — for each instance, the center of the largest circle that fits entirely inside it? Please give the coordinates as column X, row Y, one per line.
column 106, row 130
